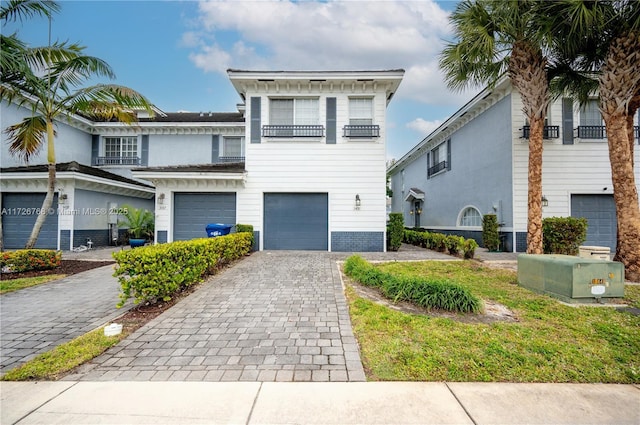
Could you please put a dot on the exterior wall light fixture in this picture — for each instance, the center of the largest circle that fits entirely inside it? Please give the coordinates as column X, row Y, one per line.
column 545, row 201
column 161, row 199
column 358, row 203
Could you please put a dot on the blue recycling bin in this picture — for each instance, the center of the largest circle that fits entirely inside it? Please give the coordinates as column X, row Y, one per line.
column 218, row 229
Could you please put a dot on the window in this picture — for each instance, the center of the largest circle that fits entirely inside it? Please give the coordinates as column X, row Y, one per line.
column 438, row 159
column 591, row 121
column 120, row 151
column 360, row 111
column 293, row 118
column 470, row 217
column 231, row 149
column 361, row 119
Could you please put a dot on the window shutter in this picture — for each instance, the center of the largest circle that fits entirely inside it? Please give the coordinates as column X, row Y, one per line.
column 331, row 120
column 145, row 150
column 95, row 149
column 215, row 148
column 567, row 121
column 428, row 164
column 448, row 154
column 255, row 119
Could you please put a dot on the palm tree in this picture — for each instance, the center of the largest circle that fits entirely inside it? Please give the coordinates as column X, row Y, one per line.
column 601, row 43
column 494, row 37
column 48, row 80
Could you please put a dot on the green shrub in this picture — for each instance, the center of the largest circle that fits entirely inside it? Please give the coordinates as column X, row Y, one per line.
column 439, row 242
column 490, row 235
column 25, row 260
column 138, row 222
column 454, row 244
column 248, row 228
column 469, row 248
column 429, row 293
column 395, row 231
column 157, row 272
column 563, row 235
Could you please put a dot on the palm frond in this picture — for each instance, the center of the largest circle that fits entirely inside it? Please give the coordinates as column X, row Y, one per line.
column 18, row 10
column 27, row 137
column 107, row 102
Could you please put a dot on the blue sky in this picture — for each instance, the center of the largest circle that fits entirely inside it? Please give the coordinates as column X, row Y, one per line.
column 176, row 52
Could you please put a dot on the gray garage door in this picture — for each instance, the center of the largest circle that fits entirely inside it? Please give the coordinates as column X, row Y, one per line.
column 600, row 212
column 19, row 213
column 193, row 211
column 296, row 221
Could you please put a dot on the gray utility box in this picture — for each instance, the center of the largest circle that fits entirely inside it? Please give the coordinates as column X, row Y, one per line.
column 571, row 279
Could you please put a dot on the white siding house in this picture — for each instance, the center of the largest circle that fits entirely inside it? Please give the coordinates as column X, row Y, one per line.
column 485, row 170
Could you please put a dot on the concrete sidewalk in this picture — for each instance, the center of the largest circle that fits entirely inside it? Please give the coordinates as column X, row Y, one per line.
column 317, row 403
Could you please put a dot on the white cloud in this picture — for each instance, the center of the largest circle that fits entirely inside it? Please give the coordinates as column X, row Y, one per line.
column 423, row 127
column 333, row 35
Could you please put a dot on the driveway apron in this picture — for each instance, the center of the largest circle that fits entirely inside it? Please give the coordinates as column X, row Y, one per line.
column 39, row 318
column 274, row 316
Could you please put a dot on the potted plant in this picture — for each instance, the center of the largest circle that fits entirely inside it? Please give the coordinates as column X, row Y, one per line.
column 139, row 223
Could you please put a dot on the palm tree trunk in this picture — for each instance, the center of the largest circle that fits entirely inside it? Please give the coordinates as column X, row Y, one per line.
column 534, row 202
column 51, row 186
column 625, row 195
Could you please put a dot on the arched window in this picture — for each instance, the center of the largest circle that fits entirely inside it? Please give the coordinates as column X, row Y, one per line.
column 470, row 217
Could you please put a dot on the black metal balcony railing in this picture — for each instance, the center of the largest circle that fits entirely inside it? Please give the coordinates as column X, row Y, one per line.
column 228, row 159
column 549, row 131
column 292, row 131
column 436, row 168
column 592, row 132
column 361, row 131
column 116, row 160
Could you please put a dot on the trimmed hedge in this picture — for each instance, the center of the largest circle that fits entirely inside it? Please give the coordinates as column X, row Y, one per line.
column 455, row 245
column 248, row 228
column 25, row 260
column 429, row 293
column 156, row 272
column 395, row 230
column 563, row 235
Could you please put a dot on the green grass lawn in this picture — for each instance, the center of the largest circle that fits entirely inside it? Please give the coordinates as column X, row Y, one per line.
column 551, row 342
column 15, row 284
column 55, row 363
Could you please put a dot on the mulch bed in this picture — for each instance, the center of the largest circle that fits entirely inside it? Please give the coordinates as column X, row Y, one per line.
column 68, row 267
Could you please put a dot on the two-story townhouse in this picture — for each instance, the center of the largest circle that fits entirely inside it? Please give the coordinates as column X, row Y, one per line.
column 94, row 177
column 475, row 163
column 313, row 174
column 304, row 164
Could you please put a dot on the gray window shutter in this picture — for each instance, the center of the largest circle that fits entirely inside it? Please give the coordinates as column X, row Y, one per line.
column 428, row 164
column 255, row 119
column 331, row 120
column 144, row 160
column 448, row 154
column 567, row 121
column 95, row 149
column 215, row 148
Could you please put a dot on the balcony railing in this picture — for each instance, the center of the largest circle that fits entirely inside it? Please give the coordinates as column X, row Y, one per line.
column 116, row 160
column 592, row 132
column 365, row 131
column 228, row 159
column 292, row 131
column 549, row 131
column 436, row 168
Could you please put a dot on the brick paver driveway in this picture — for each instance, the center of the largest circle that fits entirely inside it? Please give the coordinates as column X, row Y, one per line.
column 274, row 316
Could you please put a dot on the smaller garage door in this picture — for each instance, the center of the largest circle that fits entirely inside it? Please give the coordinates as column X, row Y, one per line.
column 297, row 221
column 600, row 212
column 19, row 213
column 193, row 211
